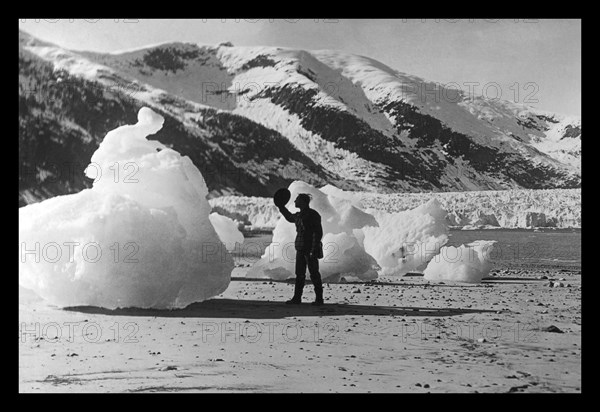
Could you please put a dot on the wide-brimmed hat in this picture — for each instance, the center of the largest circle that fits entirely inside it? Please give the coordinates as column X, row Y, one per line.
column 281, row 197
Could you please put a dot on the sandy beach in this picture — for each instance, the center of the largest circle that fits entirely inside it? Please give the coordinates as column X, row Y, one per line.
column 511, row 333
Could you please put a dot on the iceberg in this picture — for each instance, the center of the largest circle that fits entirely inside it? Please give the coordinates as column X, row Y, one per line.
column 468, row 263
column 141, row 236
column 227, row 230
column 406, row 241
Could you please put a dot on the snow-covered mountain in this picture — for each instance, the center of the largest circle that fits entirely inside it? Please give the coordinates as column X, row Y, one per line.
column 254, row 119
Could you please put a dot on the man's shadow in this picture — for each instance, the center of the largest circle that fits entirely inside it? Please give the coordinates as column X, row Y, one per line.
column 260, row 309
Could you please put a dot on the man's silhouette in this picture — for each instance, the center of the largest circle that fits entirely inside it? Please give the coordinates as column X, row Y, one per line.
column 308, row 246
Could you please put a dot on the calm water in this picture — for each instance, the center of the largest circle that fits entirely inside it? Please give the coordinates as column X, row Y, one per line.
column 513, row 247
column 520, row 246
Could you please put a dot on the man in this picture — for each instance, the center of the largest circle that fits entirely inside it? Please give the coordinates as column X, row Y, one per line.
column 308, row 246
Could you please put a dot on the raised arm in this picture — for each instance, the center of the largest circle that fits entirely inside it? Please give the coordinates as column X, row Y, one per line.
column 287, row 214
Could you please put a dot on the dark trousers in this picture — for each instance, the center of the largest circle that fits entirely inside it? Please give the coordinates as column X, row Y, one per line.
column 303, row 260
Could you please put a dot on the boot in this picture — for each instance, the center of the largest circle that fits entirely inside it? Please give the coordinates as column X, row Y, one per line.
column 319, row 293
column 298, row 287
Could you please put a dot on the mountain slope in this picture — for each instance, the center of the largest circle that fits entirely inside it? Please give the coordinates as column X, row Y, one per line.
column 62, row 119
column 256, row 118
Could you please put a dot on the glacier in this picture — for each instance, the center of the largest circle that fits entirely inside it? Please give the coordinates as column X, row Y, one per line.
column 141, row 236
column 508, row 209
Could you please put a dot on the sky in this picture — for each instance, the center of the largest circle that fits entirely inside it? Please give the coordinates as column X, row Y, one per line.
column 532, row 61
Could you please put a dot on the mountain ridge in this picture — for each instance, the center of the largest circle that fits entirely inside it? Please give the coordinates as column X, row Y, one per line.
column 274, row 115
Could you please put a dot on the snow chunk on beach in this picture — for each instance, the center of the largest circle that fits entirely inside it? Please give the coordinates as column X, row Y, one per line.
column 467, row 263
column 405, row 241
column 140, row 237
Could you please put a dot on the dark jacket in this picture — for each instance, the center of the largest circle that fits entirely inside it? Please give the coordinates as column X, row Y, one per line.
column 309, row 231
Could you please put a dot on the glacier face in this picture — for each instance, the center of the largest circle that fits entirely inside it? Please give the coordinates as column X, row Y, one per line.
column 558, row 208
column 258, row 118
